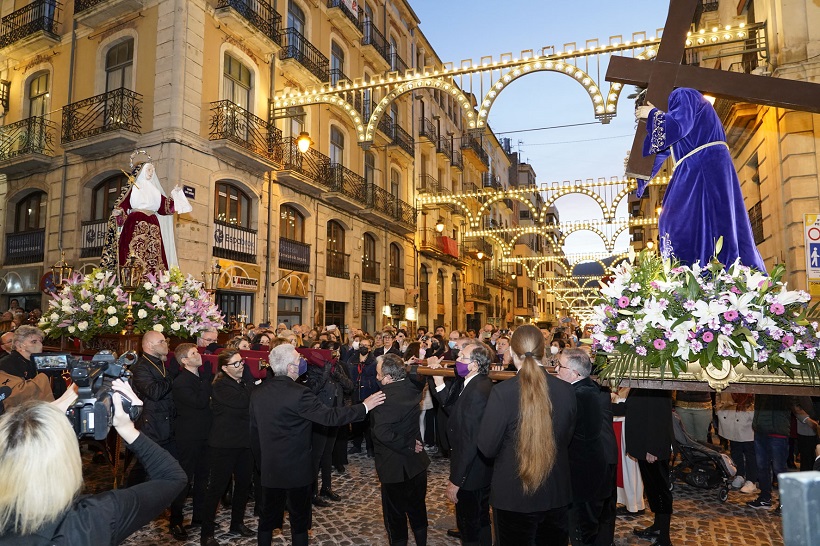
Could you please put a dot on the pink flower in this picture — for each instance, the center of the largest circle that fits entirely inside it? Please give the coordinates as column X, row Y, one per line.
column 788, row 340
column 623, row 301
column 708, row 336
column 659, row 344
column 730, row 315
column 777, row 308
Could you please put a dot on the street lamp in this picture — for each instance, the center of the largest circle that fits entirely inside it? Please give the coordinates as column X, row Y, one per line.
column 130, row 275
column 440, row 225
column 303, row 142
column 61, row 272
column 212, row 276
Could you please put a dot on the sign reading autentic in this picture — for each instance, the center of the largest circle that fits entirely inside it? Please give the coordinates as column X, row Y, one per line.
column 246, row 283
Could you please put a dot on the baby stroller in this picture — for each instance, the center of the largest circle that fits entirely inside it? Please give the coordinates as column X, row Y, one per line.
column 700, row 465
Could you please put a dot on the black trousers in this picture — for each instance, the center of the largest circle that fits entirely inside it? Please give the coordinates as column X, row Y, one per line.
column 193, row 458
column 473, row 517
column 403, row 502
column 340, row 446
column 137, row 475
column 323, row 442
column 273, row 510
column 606, row 521
column 224, row 462
column 548, row 528
column 584, row 521
column 359, row 430
column 655, row 478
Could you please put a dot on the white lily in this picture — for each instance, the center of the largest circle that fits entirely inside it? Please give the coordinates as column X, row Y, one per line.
column 708, row 311
column 785, row 297
column 740, row 303
column 754, row 279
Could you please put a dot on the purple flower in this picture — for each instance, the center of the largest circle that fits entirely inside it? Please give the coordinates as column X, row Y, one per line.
column 735, row 290
column 730, row 315
column 640, row 350
column 659, row 344
column 708, row 336
column 777, row 308
column 788, row 340
column 623, row 301
column 727, row 329
column 696, row 346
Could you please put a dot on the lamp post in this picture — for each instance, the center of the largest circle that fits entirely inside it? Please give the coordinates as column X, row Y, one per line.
column 61, row 272
column 130, row 275
column 210, row 280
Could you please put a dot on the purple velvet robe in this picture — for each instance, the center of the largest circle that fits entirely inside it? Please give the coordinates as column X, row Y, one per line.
column 703, row 200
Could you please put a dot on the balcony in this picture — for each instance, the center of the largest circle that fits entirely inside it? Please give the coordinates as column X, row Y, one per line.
column 294, row 255
column 303, row 172
column 397, row 64
column 93, row 238
column 457, row 160
column 403, row 140
column 234, row 242
column 497, row 277
column 376, row 49
column 491, row 180
column 338, row 264
column 337, row 76
column 103, row 123
column 396, row 277
column 243, row 138
column 371, row 272
column 445, row 147
column 26, row 145
column 301, row 57
column 348, row 22
column 259, row 21
column 479, row 248
column 468, row 187
column 473, row 150
column 346, row 189
column 30, row 29
column 385, row 209
column 439, row 246
column 427, row 184
column 477, row 292
column 25, row 247
column 92, row 13
column 428, row 131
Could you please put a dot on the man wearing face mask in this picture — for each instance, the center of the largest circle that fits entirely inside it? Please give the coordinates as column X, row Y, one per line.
column 452, row 345
column 470, row 473
column 362, row 368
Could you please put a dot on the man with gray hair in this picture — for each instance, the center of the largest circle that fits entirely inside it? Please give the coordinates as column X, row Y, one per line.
column 282, row 413
column 28, row 340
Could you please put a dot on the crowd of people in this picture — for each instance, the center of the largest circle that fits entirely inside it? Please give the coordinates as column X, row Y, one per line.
column 543, row 457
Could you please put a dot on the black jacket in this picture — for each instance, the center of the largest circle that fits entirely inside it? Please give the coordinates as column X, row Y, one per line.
column 648, row 415
column 111, row 517
column 230, row 401
column 281, row 416
column 329, row 383
column 469, row 469
column 153, row 384
column 363, row 375
column 395, row 429
column 498, row 439
column 587, row 460
column 192, row 398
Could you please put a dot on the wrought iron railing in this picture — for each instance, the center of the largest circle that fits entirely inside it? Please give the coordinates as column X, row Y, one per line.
column 403, row 139
column 479, row 245
column 234, row 242
column 295, row 46
column 311, row 164
column 338, row 264
column 390, row 205
column 405, row 213
column 396, row 276
column 34, row 135
column 478, row 292
column 397, row 64
column 354, row 17
column 427, row 184
column 386, row 125
column 111, row 111
column 342, row 180
column 428, row 130
column 490, row 180
column 496, row 276
column 468, row 187
column 710, row 5
column 469, row 142
column 294, row 255
column 371, row 272
column 258, row 13
column 457, row 160
column 40, row 15
column 93, row 238
column 433, row 240
column 443, row 146
column 337, row 75
column 374, row 38
column 231, row 122
column 25, row 247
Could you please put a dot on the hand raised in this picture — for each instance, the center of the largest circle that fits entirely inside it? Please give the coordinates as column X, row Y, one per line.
column 375, row 399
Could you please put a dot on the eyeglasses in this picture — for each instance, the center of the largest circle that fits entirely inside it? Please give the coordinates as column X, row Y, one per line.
column 237, row 364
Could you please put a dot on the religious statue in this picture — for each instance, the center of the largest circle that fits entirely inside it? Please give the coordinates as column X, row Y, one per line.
column 703, row 201
column 142, row 222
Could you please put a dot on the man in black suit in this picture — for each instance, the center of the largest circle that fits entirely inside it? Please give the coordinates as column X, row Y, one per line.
column 587, row 460
column 470, row 473
column 649, row 440
column 282, row 413
column 401, row 462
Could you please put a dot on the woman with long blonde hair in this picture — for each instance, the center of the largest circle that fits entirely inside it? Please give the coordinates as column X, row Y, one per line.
column 527, row 427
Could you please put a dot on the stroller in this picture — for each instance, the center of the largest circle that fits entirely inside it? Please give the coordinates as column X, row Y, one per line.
column 700, row 465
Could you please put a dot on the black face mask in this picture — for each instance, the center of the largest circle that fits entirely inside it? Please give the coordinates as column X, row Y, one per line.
column 435, row 346
column 364, row 350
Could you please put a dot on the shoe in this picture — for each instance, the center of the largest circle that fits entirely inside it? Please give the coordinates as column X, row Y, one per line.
column 194, row 523
column 778, row 510
column 757, row 503
column 178, row 532
column 208, row 541
column 340, row 468
column 455, row 533
column 243, row 530
column 354, row 450
column 329, row 494
column 647, row 533
column 748, row 487
column 370, row 453
column 738, row 482
column 320, row 502
column 227, row 498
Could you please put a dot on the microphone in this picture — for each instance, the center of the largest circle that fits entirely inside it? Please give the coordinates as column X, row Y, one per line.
column 5, row 392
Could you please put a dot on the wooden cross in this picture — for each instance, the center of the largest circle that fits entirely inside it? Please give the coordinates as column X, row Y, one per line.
column 666, row 73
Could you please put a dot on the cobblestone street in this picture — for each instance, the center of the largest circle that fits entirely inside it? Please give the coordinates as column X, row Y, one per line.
column 700, row 519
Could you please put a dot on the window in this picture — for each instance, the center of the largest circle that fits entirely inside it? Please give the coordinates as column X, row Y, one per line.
column 395, row 184
column 369, row 248
column 291, row 224
column 396, row 271
column 119, row 63
column 236, row 82
column 335, row 236
column 337, row 145
column 296, row 17
column 337, row 263
column 454, row 295
column 369, row 168
column 394, row 53
column 105, row 196
column 394, row 114
column 337, row 63
column 424, row 295
column 440, row 287
column 38, row 95
column 31, row 212
column 370, row 268
column 232, row 205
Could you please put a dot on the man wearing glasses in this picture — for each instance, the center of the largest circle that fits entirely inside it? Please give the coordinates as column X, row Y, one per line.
column 208, row 339
column 282, row 413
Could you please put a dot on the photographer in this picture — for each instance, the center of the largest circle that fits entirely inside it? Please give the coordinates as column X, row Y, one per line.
column 41, row 479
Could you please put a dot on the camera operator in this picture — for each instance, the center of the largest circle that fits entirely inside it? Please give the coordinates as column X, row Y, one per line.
column 28, row 340
column 41, row 479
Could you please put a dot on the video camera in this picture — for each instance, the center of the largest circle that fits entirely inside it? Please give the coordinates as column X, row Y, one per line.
column 93, row 412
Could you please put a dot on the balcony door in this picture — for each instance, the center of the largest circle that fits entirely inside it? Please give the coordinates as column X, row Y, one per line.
column 119, row 66
column 454, row 287
column 236, row 88
column 396, row 271
column 424, row 296
column 336, row 257
column 337, row 63
column 337, row 146
column 370, row 268
column 103, row 198
column 34, row 139
column 440, row 297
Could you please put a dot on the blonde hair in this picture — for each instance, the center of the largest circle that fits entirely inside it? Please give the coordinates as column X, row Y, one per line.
column 40, row 467
column 535, row 444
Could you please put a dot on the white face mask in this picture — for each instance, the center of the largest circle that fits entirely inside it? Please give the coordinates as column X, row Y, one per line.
column 355, row 345
column 554, row 350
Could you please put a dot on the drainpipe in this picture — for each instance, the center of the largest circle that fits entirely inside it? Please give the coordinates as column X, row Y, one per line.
column 268, row 250
column 69, row 99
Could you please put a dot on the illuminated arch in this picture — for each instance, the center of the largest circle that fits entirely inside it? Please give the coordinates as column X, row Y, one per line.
column 604, row 267
column 339, row 101
column 615, row 88
column 556, row 249
column 574, row 189
column 500, row 197
column 575, row 229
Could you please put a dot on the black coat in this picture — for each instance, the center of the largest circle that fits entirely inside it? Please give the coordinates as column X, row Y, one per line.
column 281, row 414
column 497, row 439
column 395, row 429
column 329, row 383
column 192, row 399
column 363, row 375
column 648, row 423
column 587, row 460
column 230, row 401
column 469, row 469
column 153, row 384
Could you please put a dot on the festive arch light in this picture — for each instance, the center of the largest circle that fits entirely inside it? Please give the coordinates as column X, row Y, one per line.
column 340, row 102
